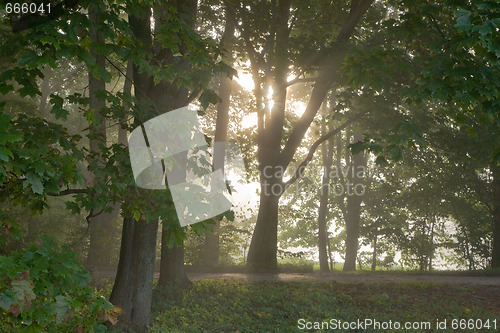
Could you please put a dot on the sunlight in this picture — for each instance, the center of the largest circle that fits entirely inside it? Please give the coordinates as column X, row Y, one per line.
column 298, row 108
column 249, row 120
column 245, row 80
column 270, row 98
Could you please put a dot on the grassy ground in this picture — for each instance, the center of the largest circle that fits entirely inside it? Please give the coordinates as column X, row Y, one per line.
column 233, row 306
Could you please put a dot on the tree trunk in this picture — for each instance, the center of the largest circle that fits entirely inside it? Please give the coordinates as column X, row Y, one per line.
column 172, row 266
column 330, row 254
column 354, row 200
column 374, row 257
column 120, row 294
column 100, row 226
column 211, row 247
column 172, row 97
column 323, row 206
column 172, row 259
column 495, row 255
column 45, row 91
column 264, row 244
column 431, row 255
column 133, row 286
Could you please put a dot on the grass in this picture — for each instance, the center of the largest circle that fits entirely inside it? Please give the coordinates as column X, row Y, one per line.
column 234, row 306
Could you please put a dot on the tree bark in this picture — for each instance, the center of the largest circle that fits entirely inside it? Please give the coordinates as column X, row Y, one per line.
column 172, row 270
column 211, row 247
column 354, row 200
column 495, row 255
column 431, row 254
column 100, row 226
column 375, row 249
column 172, row 260
column 330, row 254
column 323, row 206
column 264, row 244
column 133, row 286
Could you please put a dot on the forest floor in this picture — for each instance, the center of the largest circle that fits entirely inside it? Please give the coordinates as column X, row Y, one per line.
column 238, row 302
column 232, row 301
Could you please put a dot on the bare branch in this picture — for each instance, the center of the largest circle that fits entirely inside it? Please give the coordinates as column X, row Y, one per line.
column 302, row 80
column 69, row 191
column 316, row 144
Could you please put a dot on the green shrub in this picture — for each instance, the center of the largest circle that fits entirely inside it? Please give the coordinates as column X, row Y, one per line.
column 44, row 288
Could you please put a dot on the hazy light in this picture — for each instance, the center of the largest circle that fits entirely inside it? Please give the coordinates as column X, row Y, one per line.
column 249, row 120
column 270, row 98
column 245, row 79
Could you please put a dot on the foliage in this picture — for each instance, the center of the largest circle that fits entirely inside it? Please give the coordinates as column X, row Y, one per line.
column 44, row 288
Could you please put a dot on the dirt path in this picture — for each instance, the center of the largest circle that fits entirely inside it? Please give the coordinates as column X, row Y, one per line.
column 349, row 278
column 337, row 277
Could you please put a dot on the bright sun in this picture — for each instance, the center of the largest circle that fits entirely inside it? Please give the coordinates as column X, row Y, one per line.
column 245, row 80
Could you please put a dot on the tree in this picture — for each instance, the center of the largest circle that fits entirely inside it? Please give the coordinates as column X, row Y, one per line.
column 327, row 154
column 67, row 35
column 221, row 129
column 270, row 62
column 100, row 224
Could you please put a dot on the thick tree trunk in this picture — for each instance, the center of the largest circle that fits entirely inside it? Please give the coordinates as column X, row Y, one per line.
column 172, row 266
column 211, row 247
column 495, row 255
column 172, row 97
column 133, row 286
column 264, row 244
column 353, row 208
column 120, row 294
column 100, row 226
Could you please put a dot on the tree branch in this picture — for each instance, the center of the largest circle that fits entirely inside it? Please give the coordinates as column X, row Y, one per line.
column 324, row 82
column 358, row 9
column 303, row 80
column 316, row 144
column 69, row 191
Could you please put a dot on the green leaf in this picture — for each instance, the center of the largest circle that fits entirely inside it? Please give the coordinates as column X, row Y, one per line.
column 357, row 147
column 35, row 182
column 381, row 160
column 229, row 215
column 5, row 154
column 27, row 56
column 61, row 307
column 463, row 19
column 396, row 154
